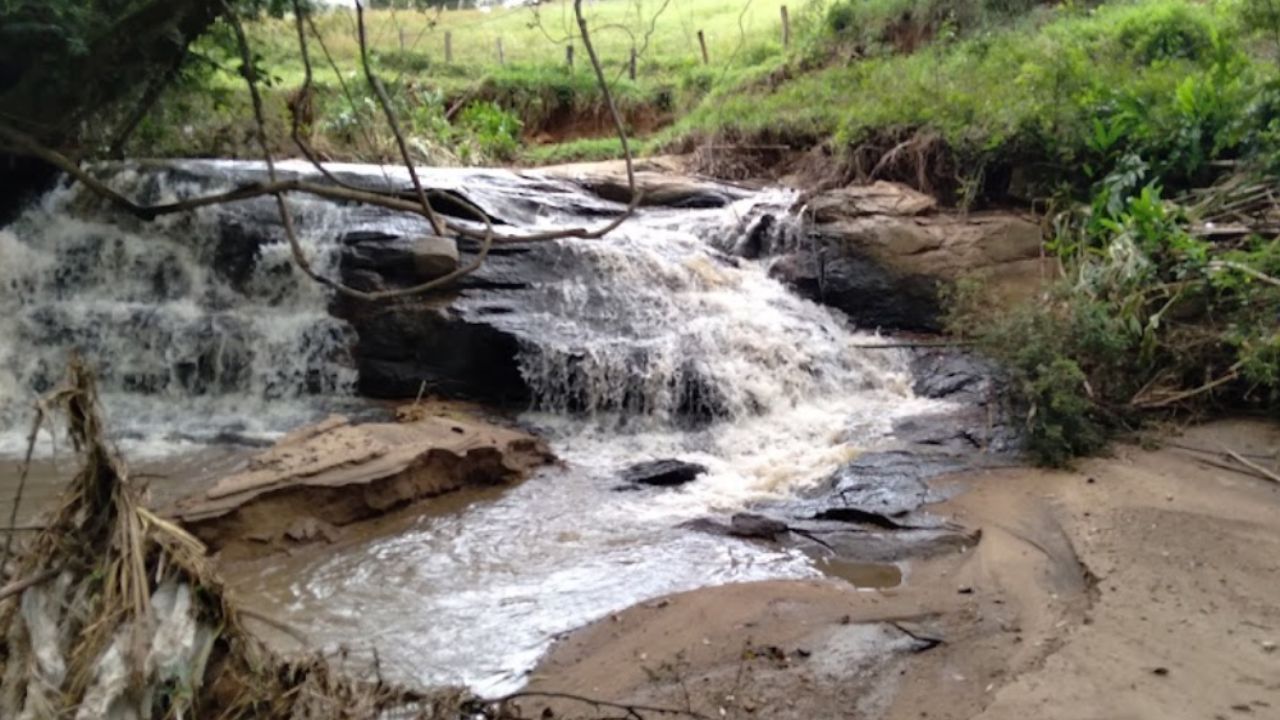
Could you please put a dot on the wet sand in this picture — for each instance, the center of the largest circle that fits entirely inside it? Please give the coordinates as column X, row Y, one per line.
column 1141, row 585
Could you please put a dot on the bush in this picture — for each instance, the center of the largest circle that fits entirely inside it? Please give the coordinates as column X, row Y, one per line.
column 1171, row 32
column 495, row 130
column 1149, row 320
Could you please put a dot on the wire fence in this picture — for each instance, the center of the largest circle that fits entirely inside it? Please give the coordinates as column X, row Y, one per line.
column 628, row 33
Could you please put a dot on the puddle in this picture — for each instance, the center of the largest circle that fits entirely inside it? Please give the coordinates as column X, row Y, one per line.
column 860, row 574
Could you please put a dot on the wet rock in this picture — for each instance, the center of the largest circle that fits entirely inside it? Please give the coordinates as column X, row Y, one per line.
column 663, row 473
column 954, row 374
column 880, row 252
column 869, row 292
column 980, row 421
column 891, row 483
column 396, row 260
column 751, row 525
column 741, row 525
column 409, row 346
column 660, row 181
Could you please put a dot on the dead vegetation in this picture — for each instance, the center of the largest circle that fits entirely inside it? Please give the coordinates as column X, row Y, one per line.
column 116, row 613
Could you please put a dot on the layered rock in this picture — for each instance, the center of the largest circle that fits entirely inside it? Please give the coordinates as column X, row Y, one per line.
column 880, row 253
column 331, row 474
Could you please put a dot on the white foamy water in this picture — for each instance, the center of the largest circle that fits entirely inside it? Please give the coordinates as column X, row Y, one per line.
column 183, row 355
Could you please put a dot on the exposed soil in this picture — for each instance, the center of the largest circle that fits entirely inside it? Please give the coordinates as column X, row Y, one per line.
column 566, row 124
column 1142, row 585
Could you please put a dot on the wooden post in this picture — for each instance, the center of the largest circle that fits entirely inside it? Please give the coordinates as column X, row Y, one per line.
column 502, row 58
column 448, row 47
column 786, row 28
column 702, row 42
column 401, row 33
column 568, row 55
column 631, row 68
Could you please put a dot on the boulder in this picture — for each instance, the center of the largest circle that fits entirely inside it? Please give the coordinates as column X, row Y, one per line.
column 663, row 473
column 390, row 261
column 871, row 294
column 661, row 181
column 331, row 474
column 880, row 253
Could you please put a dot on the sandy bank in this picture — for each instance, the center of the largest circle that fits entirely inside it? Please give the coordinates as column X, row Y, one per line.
column 1141, row 585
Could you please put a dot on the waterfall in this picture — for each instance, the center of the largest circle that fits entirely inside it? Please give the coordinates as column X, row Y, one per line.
column 665, row 339
column 202, row 328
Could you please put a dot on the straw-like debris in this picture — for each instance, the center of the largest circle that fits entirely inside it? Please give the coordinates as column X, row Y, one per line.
column 113, row 612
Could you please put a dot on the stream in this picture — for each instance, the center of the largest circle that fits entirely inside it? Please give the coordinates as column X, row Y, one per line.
column 652, row 343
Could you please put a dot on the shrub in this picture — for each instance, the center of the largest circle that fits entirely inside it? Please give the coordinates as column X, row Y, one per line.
column 495, row 130
column 1167, row 33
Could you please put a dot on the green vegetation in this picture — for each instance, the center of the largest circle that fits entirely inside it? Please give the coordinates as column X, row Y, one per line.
column 1148, row 130
column 207, row 113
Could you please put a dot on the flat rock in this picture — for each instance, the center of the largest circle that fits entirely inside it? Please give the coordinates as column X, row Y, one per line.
column 334, row 473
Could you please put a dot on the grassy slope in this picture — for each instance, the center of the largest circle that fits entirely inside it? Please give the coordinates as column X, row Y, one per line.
column 986, row 76
column 535, row 84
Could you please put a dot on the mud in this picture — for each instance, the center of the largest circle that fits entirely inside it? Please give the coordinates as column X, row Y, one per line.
column 1140, row 585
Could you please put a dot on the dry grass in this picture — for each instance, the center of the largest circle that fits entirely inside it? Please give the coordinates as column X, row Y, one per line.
column 131, row 621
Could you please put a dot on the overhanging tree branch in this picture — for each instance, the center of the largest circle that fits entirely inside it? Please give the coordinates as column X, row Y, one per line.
column 340, row 190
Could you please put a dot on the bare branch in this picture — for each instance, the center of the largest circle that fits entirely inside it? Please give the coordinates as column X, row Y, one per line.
column 608, row 98
column 390, row 114
column 341, row 190
column 18, row 586
column 286, row 218
column 632, row 710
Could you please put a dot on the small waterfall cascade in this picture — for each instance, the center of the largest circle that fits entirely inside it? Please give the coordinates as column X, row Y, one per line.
column 665, row 339
column 198, row 325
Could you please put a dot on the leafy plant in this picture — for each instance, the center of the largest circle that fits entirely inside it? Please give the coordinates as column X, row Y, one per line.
column 495, row 130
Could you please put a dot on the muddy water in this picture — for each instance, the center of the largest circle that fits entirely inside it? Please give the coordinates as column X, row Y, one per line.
column 649, row 345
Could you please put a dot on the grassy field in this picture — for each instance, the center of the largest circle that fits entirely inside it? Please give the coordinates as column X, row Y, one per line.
column 986, row 77
column 530, row 107
column 665, row 37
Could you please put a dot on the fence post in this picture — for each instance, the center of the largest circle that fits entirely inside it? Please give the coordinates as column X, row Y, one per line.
column 786, row 28
column 448, row 47
column 702, row 42
column 631, row 67
column 568, row 55
column 401, row 33
column 502, row 58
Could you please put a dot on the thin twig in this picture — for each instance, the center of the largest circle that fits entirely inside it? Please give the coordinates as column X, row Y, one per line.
column 389, row 113
column 286, row 218
column 1238, row 267
column 1232, row 373
column 22, row 483
column 18, row 586
column 1261, row 471
column 632, row 710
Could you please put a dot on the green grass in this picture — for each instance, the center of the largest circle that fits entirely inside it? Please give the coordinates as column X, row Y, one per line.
column 1032, row 88
column 1010, row 79
column 552, row 101
column 537, row 36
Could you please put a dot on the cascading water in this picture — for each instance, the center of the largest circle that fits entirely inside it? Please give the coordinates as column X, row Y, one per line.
column 189, row 344
column 651, row 343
